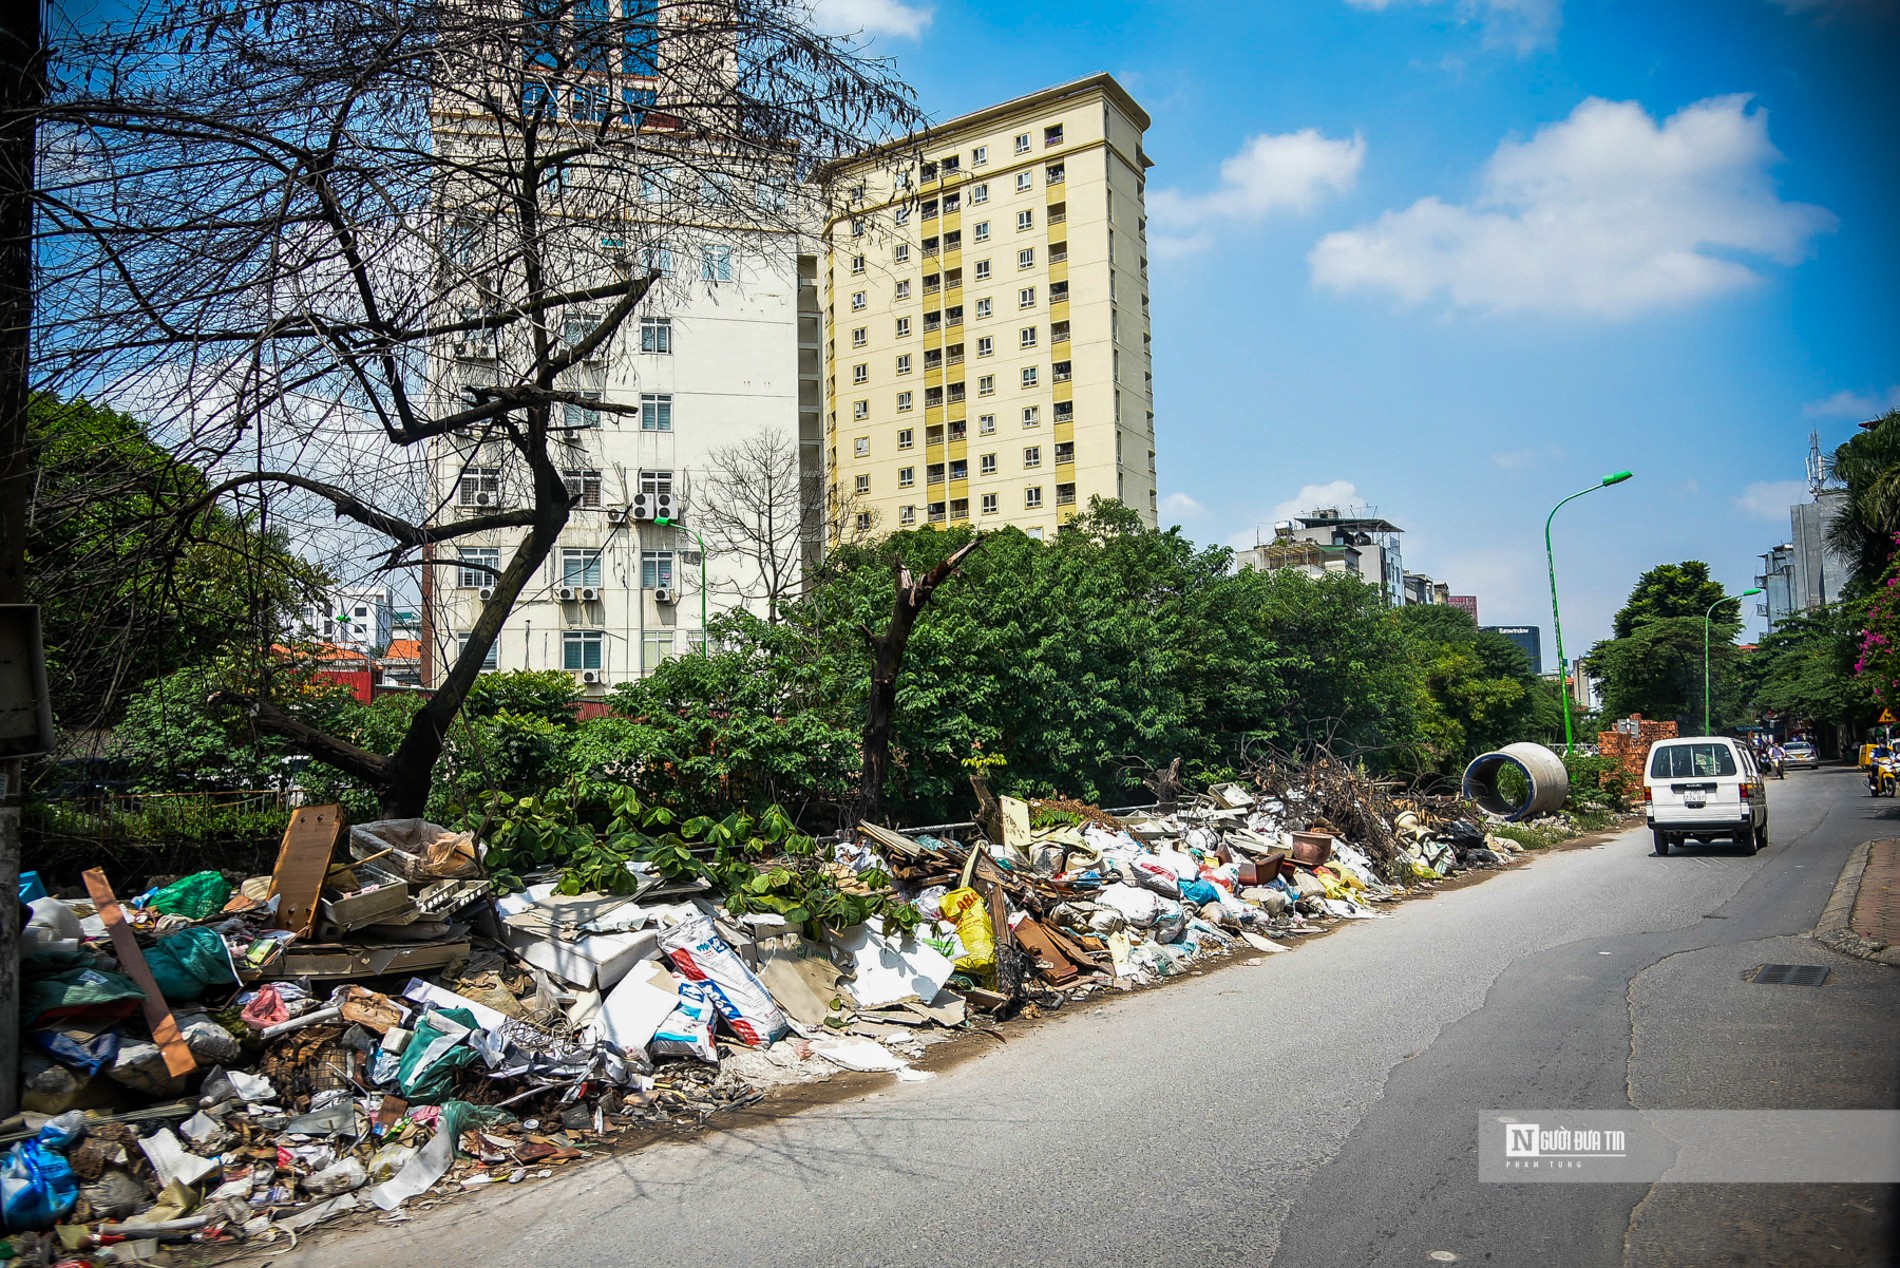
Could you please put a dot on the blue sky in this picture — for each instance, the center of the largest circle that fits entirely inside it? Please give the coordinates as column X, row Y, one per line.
column 1458, row 258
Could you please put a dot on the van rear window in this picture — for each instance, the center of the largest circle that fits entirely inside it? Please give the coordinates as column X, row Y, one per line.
column 1691, row 761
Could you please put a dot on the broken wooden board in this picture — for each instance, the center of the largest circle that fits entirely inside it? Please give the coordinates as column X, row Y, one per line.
column 349, row 961
column 303, row 860
column 125, row 945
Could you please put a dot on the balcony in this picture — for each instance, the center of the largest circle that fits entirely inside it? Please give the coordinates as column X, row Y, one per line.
column 956, row 393
column 1059, row 332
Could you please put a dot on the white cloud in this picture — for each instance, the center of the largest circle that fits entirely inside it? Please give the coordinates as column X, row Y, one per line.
column 1858, row 406
column 1605, row 214
column 1520, row 25
column 1288, row 171
column 871, row 17
column 1183, row 506
column 1770, row 499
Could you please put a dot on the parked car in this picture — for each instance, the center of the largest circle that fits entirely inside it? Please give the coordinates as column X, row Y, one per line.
column 1801, row 753
column 1707, row 788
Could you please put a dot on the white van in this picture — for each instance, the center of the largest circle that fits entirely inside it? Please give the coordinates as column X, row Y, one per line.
column 1707, row 788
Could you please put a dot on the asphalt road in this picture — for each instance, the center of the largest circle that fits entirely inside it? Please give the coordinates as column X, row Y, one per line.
column 1319, row 1108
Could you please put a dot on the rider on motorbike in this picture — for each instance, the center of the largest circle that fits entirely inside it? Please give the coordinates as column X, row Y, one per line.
column 1880, row 769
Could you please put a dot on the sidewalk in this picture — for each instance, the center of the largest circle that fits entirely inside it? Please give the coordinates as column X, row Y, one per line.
column 1863, row 918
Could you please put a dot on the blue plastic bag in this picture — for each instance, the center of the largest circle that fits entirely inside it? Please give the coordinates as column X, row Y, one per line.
column 37, row 1184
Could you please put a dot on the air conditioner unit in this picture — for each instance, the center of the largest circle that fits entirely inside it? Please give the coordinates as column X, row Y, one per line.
column 568, row 594
column 484, row 499
column 666, row 506
column 616, row 515
column 665, row 594
column 593, row 677
column 642, row 508
column 485, row 593
column 590, row 594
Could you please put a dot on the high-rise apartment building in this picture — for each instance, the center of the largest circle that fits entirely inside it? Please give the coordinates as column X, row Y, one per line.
column 987, row 338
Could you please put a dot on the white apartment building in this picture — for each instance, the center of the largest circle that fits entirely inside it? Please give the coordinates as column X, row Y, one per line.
column 361, row 619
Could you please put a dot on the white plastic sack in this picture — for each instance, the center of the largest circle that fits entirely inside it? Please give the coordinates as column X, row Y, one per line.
column 1139, row 907
column 688, row 1029
column 702, row 956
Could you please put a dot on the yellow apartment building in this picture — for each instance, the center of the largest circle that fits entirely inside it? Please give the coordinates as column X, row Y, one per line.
column 987, row 339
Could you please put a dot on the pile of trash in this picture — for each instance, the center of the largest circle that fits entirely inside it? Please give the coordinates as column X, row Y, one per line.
column 373, row 1024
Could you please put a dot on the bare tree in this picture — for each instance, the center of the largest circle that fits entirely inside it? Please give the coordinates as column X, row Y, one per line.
column 343, row 255
column 770, row 516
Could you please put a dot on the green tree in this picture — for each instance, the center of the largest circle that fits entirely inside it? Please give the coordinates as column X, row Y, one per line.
column 1475, row 686
column 1804, row 670
column 1864, row 528
column 1654, row 664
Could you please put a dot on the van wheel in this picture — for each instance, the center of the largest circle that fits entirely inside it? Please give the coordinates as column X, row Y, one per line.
column 1662, row 841
column 1761, row 837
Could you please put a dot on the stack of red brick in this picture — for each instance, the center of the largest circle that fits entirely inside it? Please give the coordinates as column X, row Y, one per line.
column 1630, row 743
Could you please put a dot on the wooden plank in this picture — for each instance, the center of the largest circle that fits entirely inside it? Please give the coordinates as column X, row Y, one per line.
column 125, row 945
column 303, row 860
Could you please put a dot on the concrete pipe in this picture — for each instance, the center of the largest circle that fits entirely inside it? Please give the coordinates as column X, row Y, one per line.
column 1544, row 775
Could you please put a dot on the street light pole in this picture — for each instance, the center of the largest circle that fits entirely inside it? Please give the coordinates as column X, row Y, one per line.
column 1556, row 623
column 1707, row 618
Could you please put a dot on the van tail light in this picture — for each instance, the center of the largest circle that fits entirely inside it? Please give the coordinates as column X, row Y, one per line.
column 1746, row 791
column 1649, row 794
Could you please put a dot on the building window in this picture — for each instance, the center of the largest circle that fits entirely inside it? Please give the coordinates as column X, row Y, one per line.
column 859, row 337
column 580, row 568
column 490, row 661
column 984, row 308
column 906, row 477
column 1029, row 376
column 578, row 414
column 857, row 228
column 857, row 301
column 656, row 411
column 656, row 570
column 656, row 646
column 986, row 385
column 906, row 438
column 863, row 521
column 986, row 464
column 479, row 565
column 861, row 446
column 1026, row 338
column 1032, row 415
column 770, row 193
column 860, row 373
column 904, row 401
column 1052, row 135
column 903, row 327
column 907, row 515
column 657, row 259
column 1025, row 181
column 989, row 504
column 902, row 291
column 1026, row 258
column 857, row 264
column 903, row 216
column 654, row 483
column 980, row 232
column 985, row 346
column 982, row 270
column 862, row 484
column 1032, row 496
column 1032, row 456
column 979, row 156
column 979, row 193
column 1026, row 297
column 986, row 424
column 1054, row 174
column 479, row 486
column 656, row 334
column 903, row 363
column 860, row 409
column 1022, row 143
column 654, row 183
column 900, row 254
column 1025, row 220
column 583, row 487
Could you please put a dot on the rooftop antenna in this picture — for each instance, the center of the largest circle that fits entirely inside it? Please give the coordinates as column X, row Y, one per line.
column 1817, row 469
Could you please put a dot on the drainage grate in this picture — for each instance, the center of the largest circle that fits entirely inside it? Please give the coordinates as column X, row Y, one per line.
column 1789, row 975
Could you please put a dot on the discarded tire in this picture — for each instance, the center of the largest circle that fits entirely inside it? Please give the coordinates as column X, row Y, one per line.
column 1545, row 778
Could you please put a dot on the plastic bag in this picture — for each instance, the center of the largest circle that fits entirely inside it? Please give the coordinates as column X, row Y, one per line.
column 266, row 1008
column 185, row 963
column 59, row 990
column 702, row 956
column 37, row 1184
column 193, row 897
column 970, row 912
column 688, row 1029
column 435, row 1052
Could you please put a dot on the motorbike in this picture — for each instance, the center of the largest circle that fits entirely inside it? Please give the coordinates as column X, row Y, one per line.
column 1882, row 779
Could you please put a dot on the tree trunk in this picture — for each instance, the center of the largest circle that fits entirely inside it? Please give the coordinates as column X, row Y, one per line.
column 887, row 657
column 24, row 90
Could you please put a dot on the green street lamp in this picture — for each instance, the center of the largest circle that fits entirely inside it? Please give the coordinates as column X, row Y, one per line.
column 1556, row 624
column 704, row 567
column 1707, row 618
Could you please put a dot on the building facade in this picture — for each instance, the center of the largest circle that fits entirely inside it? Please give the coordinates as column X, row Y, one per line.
column 1818, row 573
column 361, row 619
column 987, row 334
column 1528, row 637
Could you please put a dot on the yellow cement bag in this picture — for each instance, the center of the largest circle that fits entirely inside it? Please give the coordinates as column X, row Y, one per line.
column 970, row 912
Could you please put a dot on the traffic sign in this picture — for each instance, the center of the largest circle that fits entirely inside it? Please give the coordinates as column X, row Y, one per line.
column 1887, row 718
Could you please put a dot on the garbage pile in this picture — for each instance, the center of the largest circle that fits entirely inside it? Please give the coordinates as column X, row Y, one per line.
column 373, row 1024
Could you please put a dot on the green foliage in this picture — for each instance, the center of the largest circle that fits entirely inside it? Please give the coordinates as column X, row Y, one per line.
column 1808, row 669
column 592, row 831
column 1599, row 786
column 1475, row 688
column 1865, row 528
column 549, row 695
column 1654, row 664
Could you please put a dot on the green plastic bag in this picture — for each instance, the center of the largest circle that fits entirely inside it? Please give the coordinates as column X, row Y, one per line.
column 186, row 963
column 193, row 897
column 434, row 1054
